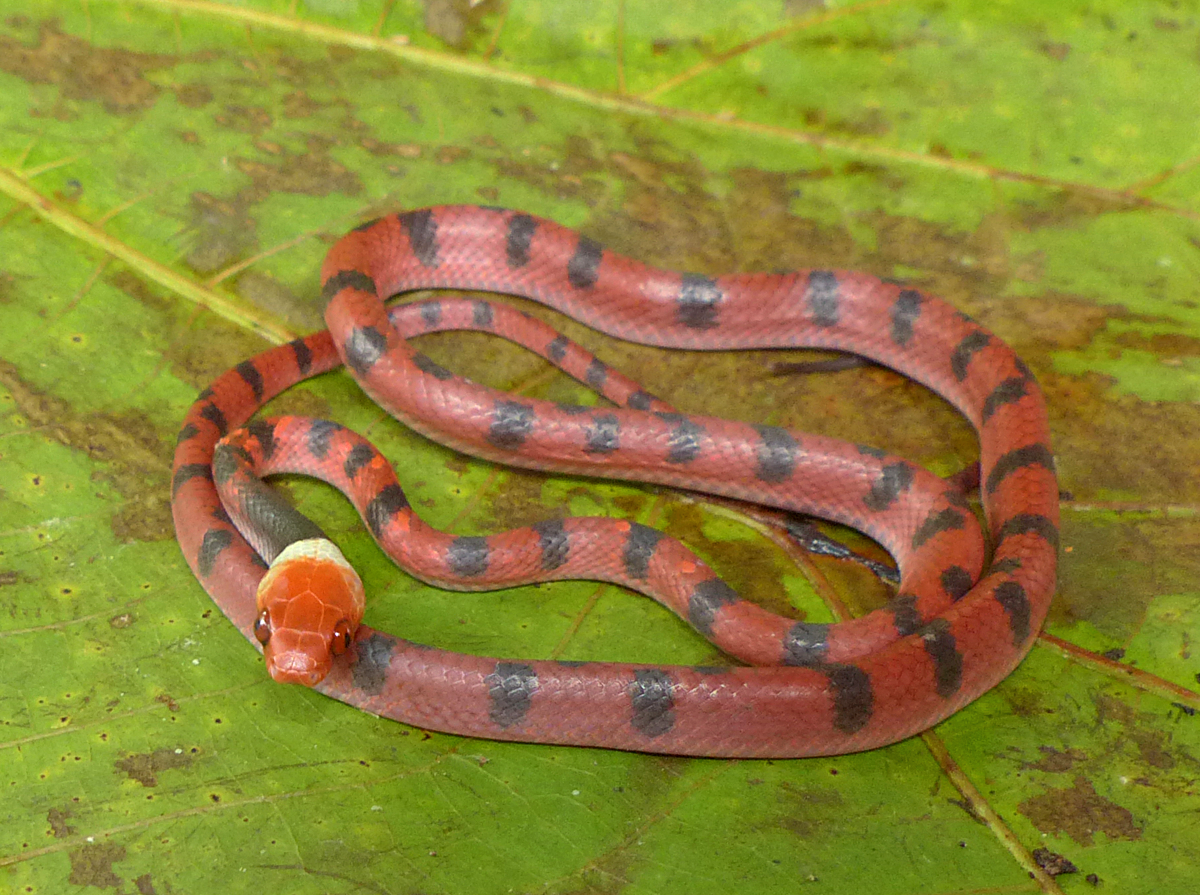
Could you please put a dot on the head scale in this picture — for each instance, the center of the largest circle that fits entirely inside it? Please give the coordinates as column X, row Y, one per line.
column 309, row 605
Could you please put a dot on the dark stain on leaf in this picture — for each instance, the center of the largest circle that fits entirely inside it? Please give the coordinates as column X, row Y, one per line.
column 244, row 119
column 810, row 811
column 450, row 155
column 1110, row 709
column 569, row 174
column 268, row 293
column 753, row 570
column 193, row 96
column 646, row 783
column 1053, row 863
column 299, row 104
column 1025, row 701
column 447, row 21
column 517, row 501
column 81, row 71
column 144, row 767
column 202, row 353
column 1055, row 50
column 381, row 148
column 1080, row 812
column 1066, row 207
column 1134, row 557
column 313, row 173
column 59, row 828
column 796, row 8
column 456, row 22
column 222, row 233
column 8, row 294
column 1118, row 444
column 1170, row 348
column 91, row 865
column 1152, row 748
column 135, row 287
column 136, row 460
column 1055, row 762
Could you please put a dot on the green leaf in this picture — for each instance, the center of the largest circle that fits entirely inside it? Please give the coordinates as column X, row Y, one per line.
column 174, row 171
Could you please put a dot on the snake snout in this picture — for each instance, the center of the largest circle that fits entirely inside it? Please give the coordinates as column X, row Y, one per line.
column 299, row 659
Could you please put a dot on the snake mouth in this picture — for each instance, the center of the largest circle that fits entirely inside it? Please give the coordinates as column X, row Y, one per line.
column 295, row 664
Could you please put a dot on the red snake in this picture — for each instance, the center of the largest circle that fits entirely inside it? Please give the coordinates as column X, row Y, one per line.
column 814, row 689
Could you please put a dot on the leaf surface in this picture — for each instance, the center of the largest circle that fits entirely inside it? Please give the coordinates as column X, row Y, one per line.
column 174, row 171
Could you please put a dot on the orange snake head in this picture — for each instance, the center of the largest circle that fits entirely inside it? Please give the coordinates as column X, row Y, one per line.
column 309, row 605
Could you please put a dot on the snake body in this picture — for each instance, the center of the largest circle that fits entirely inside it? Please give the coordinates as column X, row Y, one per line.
column 955, row 629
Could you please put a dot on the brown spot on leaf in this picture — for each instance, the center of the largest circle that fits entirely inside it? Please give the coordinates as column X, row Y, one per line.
column 59, row 828
column 91, row 865
column 1158, row 441
column 222, row 233
column 1132, row 559
column 751, row 567
column 1055, row 762
column 451, row 155
column 454, row 21
column 1053, row 863
column 202, row 353
column 380, row 148
column 1152, row 748
column 299, row 104
column 1025, row 701
column 136, row 461
column 1168, row 347
column 144, row 767
column 1062, row 208
column 276, row 298
column 8, row 292
column 1109, row 709
column 1080, row 812
column 82, row 71
column 312, row 173
column 579, row 158
column 1055, row 50
column 244, row 119
column 810, row 811
column 135, row 287
column 193, row 96
column 793, row 8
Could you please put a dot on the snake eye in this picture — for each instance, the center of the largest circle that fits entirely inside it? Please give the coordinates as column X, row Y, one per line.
column 341, row 638
column 262, row 627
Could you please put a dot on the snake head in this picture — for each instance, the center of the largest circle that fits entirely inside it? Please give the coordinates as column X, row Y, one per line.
column 309, row 605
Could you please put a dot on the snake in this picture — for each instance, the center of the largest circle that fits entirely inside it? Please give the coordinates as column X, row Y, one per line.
column 966, row 612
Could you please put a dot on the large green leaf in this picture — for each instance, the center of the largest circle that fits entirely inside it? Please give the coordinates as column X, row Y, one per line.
column 175, row 172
